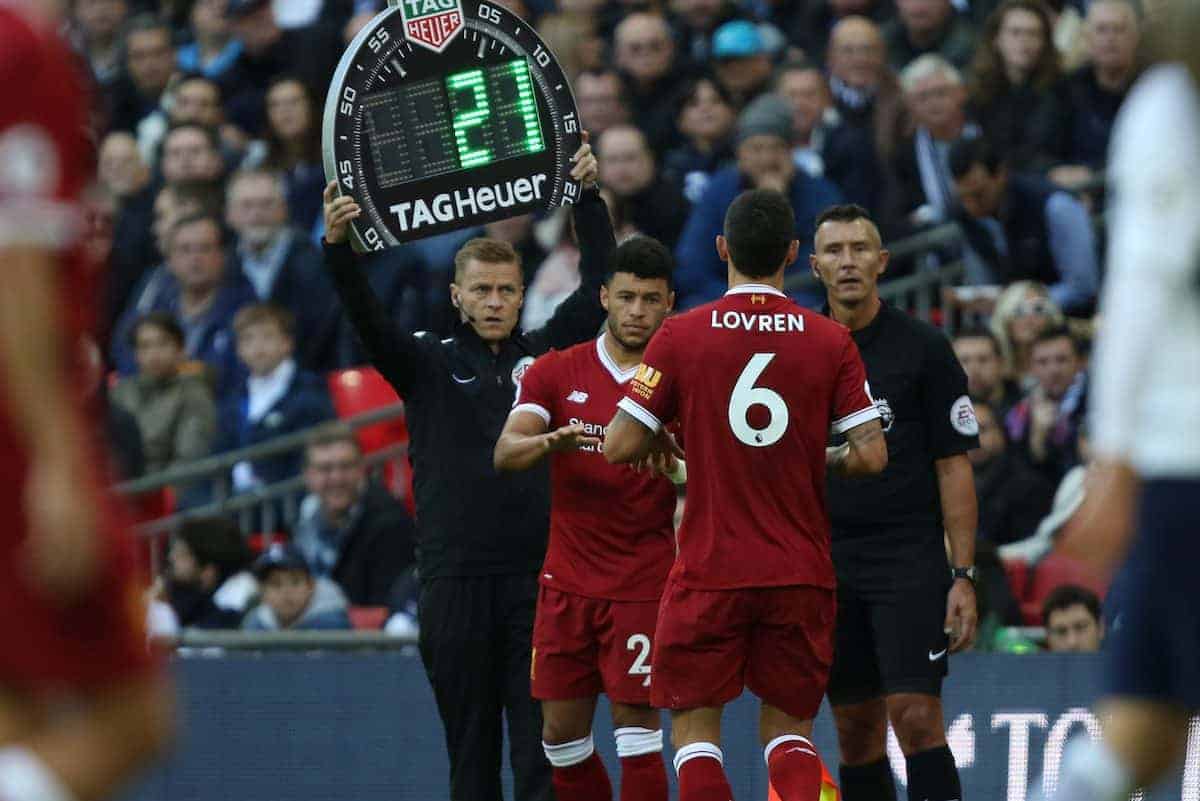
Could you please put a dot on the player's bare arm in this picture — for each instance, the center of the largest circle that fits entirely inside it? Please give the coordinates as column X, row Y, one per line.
column 627, row 439
column 862, row 454
column 525, row 441
column 62, row 547
column 956, row 485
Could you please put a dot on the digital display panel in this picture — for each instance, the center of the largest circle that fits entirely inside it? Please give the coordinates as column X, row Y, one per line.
column 461, row 121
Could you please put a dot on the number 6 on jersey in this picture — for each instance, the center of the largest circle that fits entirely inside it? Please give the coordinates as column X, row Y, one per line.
column 746, row 394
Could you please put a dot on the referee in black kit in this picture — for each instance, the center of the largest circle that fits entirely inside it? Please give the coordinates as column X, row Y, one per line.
column 481, row 535
column 901, row 607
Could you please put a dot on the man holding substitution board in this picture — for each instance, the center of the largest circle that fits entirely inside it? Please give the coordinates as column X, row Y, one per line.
column 444, row 115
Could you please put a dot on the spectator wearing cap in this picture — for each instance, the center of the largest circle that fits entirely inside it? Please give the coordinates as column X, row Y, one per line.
column 764, row 161
column 292, row 598
column 311, row 54
column 644, row 52
column 1022, row 226
column 276, row 398
column 742, row 63
column 350, row 529
column 175, row 411
column 650, row 201
column 867, row 96
column 1071, row 615
column 705, row 117
column 928, row 26
column 921, row 191
column 1013, row 498
column 205, row 584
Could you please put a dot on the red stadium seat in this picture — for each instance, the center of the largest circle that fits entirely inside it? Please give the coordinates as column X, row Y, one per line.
column 369, row 618
column 1052, row 572
column 360, row 389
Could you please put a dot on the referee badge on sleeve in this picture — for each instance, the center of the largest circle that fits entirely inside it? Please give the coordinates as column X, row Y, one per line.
column 962, row 417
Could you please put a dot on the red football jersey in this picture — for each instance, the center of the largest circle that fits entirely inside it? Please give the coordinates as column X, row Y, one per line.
column 611, row 528
column 757, row 383
column 46, row 163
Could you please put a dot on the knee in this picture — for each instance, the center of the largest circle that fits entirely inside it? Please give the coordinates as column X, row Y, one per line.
column 559, row 730
column 862, row 733
column 918, row 724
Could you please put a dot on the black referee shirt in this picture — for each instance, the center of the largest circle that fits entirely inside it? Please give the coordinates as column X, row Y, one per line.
column 471, row 520
column 921, row 393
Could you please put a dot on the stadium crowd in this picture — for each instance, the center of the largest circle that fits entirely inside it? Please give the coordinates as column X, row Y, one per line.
column 220, row 322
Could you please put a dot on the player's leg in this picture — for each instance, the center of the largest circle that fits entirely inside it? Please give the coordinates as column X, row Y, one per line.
column 921, row 731
column 626, row 635
column 638, row 731
column 787, row 666
column 1153, row 656
column 699, row 761
column 699, row 659
column 856, row 697
column 565, row 675
column 457, row 647
column 89, row 755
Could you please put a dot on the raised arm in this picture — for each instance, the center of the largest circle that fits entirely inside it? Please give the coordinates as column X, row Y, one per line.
column 862, row 454
column 394, row 352
column 580, row 316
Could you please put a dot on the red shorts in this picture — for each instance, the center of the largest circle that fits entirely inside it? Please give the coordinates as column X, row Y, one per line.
column 90, row 644
column 585, row 646
column 778, row 641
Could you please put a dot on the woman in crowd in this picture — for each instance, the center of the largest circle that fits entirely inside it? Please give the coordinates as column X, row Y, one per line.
column 1022, row 311
column 1014, row 95
column 704, row 116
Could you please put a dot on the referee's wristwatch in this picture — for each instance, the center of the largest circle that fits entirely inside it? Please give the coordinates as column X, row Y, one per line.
column 971, row 574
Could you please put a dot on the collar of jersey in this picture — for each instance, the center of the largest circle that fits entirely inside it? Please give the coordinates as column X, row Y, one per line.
column 619, row 375
column 754, row 289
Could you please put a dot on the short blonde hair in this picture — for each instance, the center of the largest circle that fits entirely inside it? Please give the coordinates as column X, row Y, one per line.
column 488, row 251
column 1006, row 309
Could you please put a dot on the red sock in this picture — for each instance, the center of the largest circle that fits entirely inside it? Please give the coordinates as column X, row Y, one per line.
column 586, row 780
column 644, row 778
column 701, row 775
column 794, row 768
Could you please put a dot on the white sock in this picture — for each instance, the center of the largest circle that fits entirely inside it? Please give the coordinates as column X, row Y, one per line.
column 1091, row 772
column 696, row 750
column 634, row 741
column 24, row 777
column 565, row 755
column 803, row 743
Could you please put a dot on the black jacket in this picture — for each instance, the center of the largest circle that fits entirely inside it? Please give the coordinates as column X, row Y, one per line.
column 471, row 520
column 376, row 550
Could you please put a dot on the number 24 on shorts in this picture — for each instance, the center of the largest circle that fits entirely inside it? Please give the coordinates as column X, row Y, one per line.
column 640, row 666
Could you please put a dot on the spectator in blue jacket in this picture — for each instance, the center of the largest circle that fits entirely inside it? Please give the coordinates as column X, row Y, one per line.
column 292, row 598
column 277, row 398
column 196, row 290
column 764, row 161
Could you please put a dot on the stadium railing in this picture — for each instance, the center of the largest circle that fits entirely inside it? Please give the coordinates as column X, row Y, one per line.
column 263, row 509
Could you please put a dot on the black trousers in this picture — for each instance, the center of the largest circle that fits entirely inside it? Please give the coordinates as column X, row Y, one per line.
column 476, row 636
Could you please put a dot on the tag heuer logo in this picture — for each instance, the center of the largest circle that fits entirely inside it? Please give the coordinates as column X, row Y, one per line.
column 432, row 23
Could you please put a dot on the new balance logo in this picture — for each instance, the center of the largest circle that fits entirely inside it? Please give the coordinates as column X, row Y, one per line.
column 578, row 396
